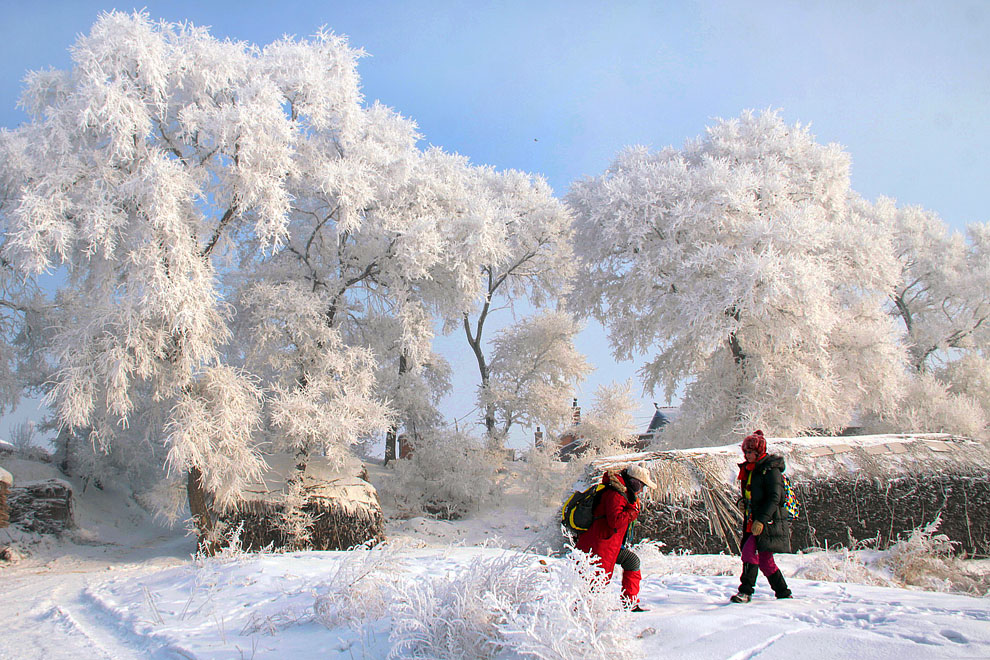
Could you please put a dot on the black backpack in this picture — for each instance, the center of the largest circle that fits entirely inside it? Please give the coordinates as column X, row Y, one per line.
column 577, row 514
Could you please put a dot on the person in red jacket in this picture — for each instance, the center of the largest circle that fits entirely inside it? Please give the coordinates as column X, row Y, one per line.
column 617, row 508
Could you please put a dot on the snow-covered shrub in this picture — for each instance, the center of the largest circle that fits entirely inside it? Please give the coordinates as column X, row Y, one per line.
column 970, row 375
column 293, row 520
column 545, row 478
column 358, row 591
column 561, row 610
column 840, row 566
column 577, row 615
column 448, row 475
column 649, row 550
column 225, row 539
column 927, row 559
column 655, row 562
column 457, row 616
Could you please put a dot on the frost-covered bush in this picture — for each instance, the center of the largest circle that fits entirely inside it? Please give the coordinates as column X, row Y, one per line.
column 578, row 615
column 927, row 559
column 358, row 591
column 448, row 475
column 546, row 479
column 225, row 547
column 922, row 559
column 457, row 616
column 550, row 610
column 293, row 520
column 840, row 566
column 655, row 562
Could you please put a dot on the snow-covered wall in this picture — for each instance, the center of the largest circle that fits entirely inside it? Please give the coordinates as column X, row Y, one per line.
column 852, row 489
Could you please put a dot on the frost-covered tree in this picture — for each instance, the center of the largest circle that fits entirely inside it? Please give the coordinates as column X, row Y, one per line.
column 739, row 262
column 942, row 296
column 372, row 219
column 23, row 322
column 533, row 371
column 520, row 251
column 942, row 303
column 162, row 159
column 608, row 425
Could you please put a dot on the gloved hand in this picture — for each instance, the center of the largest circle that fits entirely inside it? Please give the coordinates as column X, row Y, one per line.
column 741, row 504
column 757, row 528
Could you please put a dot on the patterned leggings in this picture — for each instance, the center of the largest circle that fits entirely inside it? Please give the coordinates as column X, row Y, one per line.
column 628, row 560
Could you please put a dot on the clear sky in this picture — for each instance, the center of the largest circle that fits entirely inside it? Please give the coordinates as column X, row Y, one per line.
column 558, row 88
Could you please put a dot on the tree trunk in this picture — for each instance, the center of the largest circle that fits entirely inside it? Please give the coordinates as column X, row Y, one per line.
column 475, row 342
column 393, row 432
column 200, row 509
column 739, row 356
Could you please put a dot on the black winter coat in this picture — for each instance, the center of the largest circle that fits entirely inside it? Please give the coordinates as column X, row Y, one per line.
column 767, row 505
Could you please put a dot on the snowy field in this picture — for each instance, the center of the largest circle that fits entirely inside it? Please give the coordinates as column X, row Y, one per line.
column 122, row 587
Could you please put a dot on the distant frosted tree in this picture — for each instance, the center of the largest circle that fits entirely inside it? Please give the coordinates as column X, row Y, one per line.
column 942, row 297
column 521, row 250
column 158, row 168
column 942, row 302
column 739, row 263
column 533, row 371
column 608, row 425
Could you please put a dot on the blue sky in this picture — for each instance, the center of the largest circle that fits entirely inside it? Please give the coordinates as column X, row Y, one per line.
column 558, row 88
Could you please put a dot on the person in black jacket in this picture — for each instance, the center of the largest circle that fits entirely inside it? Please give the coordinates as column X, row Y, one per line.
column 766, row 528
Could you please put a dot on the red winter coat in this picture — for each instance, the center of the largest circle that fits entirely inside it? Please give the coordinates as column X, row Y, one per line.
column 612, row 517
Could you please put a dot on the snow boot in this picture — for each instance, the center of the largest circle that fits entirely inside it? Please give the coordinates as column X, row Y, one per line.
column 747, row 583
column 630, row 585
column 779, row 585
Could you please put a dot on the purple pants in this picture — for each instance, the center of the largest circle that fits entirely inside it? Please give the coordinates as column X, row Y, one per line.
column 750, row 555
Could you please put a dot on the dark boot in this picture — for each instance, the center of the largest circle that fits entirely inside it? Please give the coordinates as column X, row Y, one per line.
column 779, row 585
column 747, row 583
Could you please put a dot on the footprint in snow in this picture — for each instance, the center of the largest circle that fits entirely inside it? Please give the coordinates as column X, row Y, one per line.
column 954, row 636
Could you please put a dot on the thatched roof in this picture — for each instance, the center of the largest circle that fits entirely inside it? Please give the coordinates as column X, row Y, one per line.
column 321, row 480
column 851, row 488
column 344, row 508
column 817, row 457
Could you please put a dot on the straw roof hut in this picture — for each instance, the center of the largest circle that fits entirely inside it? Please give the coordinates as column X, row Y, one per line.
column 851, row 489
column 344, row 510
column 6, row 481
column 44, row 506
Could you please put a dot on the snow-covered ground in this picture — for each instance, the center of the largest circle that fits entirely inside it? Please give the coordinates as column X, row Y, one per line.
column 123, row 587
